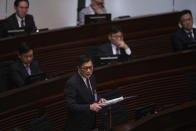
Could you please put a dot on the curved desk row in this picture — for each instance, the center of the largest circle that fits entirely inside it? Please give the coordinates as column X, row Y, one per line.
column 157, row 79
column 58, row 49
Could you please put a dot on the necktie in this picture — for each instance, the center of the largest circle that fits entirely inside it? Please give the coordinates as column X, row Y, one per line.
column 190, row 36
column 28, row 69
column 22, row 23
column 117, row 51
column 88, row 86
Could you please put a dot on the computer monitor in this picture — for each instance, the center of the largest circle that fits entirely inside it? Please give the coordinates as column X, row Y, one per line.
column 92, row 19
column 104, row 60
column 191, row 45
column 15, row 32
column 144, row 111
column 35, row 78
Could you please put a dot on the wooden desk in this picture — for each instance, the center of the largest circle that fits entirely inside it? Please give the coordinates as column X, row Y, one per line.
column 57, row 50
column 178, row 118
column 157, row 79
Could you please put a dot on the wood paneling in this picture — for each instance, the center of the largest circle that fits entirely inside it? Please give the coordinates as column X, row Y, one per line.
column 57, row 50
column 156, row 79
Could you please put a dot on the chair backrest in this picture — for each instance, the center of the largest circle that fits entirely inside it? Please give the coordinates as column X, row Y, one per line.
column 40, row 124
column 119, row 115
column 4, row 76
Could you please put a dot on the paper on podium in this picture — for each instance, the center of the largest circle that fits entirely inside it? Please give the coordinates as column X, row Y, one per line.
column 113, row 101
column 116, row 100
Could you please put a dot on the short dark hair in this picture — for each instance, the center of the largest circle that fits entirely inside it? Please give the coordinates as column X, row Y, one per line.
column 83, row 59
column 184, row 12
column 114, row 30
column 16, row 3
column 24, row 48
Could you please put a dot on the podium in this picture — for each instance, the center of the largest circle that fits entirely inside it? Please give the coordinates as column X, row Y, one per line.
column 108, row 107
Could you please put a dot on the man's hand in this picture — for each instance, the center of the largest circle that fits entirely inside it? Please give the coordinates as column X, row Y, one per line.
column 122, row 44
column 95, row 107
column 102, row 100
column 98, row 9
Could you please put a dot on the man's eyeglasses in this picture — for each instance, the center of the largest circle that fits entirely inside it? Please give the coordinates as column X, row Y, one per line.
column 87, row 68
column 24, row 8
column 117, row 37
column 187, row 20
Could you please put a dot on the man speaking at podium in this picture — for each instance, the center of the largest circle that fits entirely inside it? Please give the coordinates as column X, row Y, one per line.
column 81, row 97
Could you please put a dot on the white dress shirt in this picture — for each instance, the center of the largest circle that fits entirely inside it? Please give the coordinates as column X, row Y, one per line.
column 19, row 21
column 86, row 11
column 127, row 51
column 91, row 11
column 28, row 69
column 85, row 81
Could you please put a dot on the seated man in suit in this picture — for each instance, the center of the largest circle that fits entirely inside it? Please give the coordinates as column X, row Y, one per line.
column 81, row 97
column 20, row 19
column 116, row 46
column 96, row 7
column 24, row 67
column 185, row 35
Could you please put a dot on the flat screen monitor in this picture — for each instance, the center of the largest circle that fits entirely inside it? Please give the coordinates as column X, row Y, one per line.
column 92, row 19
column 16, row 32
column 35, row 78
column 191, row 45
column 104, row 60
column 144, row 111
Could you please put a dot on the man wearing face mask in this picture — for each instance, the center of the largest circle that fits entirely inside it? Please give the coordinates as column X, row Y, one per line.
column 184, row 37
column 24, row 67
column 20, row 19
column 116, row 44
column 96, row 7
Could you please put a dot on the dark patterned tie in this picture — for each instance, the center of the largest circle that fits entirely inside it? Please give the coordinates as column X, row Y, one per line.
column 89, row 87
column 190, row 36
column 22, row 23
column 117, row 51
column 28, row 69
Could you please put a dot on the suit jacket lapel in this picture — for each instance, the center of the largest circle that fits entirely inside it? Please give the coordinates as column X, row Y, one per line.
column 23, row 69
column 122, row 51
column 109, row 48
column 92, row 84
column 32, row 67
column 26, row 22
column 84, row 88
column 194, row 32
column 15, row 22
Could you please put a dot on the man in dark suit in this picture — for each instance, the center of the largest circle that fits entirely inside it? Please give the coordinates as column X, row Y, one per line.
column 2, row 32
column 185, row 36
column 24, row 67
column 116, row 46
column 81, row 97
column 20, row 19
